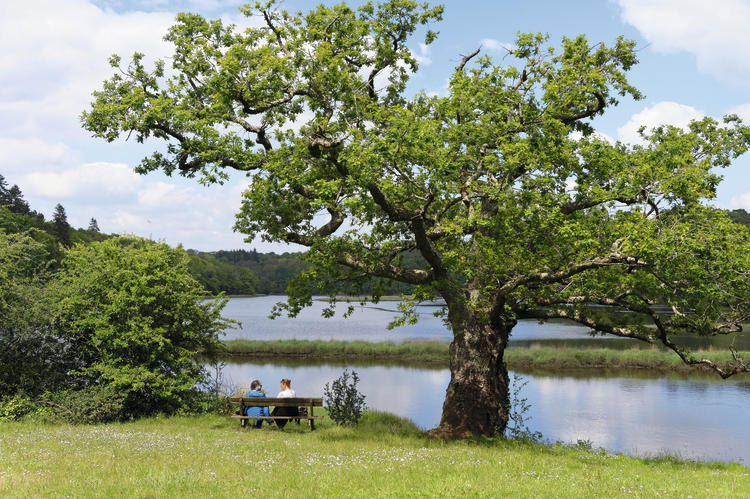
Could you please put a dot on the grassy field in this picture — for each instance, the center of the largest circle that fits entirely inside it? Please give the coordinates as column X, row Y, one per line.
column 208, row 456
column 554, row 358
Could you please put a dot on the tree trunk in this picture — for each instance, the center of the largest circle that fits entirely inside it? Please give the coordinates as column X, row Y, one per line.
column 477, row 399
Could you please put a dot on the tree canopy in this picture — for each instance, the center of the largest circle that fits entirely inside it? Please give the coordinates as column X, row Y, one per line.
column 134, row 317
column 518, row 209
column 117, row 327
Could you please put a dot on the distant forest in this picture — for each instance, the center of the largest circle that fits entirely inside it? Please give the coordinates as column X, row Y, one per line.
column 233, row 272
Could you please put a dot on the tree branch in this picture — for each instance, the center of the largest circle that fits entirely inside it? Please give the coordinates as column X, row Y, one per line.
column 588, row 112
column 466, row 59
column 269, row 23
column 739, row 366
column 574, row 206
column 380, row 269
column 614, row 259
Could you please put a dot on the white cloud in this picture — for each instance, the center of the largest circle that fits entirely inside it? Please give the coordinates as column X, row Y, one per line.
column 742, row 201
column 743, row 111
column 716, row 33
column 127, row 203
column 662, row 113
column 195, row 216
column 55, row 54
column 19, row 153
column 423, row 57
column 495, row 45
column 89, row 182
column 154, row 195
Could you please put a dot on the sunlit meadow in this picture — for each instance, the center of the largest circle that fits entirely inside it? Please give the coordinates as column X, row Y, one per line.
column 208, row 456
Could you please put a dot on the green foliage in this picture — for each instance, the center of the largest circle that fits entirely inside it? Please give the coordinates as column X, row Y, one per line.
column 516, row 207
column 217, row 276
column 15, row 407
column 33, row 227
column 60, row 226
column 90, row 405
column 32, row 359
column 111, row 334
column 12, row 198
column 342, row 400
column 274, row 272
column 430, row 352
column 135, row 319
column 740, row 216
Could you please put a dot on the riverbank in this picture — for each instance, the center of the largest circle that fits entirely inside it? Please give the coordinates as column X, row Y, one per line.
column 434, row 353
column 208, row 456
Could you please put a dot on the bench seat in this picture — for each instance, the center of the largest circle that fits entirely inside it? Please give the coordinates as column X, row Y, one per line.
column 309, row 402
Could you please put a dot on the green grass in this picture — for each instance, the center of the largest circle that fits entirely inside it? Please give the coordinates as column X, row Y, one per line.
column 572, row 358
column 363, row 350
column 535, row 357
column 208, row 456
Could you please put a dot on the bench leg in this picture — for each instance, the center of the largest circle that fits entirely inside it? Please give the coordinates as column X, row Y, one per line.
column 312, row 421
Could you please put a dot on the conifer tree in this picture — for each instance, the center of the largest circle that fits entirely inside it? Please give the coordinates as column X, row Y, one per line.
column 93, row 226
column 61, row 227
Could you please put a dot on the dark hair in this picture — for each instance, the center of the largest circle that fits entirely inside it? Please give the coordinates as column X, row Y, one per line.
column 255, row 385
column 286, row 382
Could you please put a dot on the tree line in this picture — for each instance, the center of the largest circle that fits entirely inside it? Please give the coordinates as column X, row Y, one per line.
column 235, row 272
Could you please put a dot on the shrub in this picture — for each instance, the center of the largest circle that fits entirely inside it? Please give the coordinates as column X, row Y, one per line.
column 15, row 407
column 342, row 400
column 517, row 413
column 93, row 404
column 135, row 319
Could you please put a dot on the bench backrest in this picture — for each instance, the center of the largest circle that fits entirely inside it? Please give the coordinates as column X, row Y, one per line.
column 277, row 402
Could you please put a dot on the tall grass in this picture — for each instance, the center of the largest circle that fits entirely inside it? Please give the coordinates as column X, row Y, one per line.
column 418, row 351
column 570, row 358
column 384, row 456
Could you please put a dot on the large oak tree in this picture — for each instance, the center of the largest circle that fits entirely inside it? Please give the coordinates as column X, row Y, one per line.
column 517, row 207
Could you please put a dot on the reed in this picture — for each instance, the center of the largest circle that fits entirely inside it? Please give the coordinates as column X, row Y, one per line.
column 535, row 357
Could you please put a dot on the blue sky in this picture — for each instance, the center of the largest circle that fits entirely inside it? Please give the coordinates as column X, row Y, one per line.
column 693, row 53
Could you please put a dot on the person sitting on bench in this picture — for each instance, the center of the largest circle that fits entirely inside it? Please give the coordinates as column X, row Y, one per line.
column 286, row 392
column 256, row 390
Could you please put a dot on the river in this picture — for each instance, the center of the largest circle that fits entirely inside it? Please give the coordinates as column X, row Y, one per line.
column 701, row 417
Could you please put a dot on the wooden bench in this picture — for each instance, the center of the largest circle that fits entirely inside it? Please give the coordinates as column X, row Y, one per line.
column 310, row 403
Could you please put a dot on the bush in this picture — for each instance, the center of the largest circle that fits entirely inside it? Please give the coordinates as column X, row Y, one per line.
column 93, row 404
column 15, row 407
column 207, row 403
column 342, row 400
column 135, row 320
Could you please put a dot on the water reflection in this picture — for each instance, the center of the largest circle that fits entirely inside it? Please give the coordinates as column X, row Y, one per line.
column 695, row 417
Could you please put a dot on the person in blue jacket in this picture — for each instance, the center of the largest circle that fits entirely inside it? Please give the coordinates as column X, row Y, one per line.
column 256, row 390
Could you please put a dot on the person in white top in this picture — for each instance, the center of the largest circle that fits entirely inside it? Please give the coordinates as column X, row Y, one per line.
column 286, row 389
column 286, row 392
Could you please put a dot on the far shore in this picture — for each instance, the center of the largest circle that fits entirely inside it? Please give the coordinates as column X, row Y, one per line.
column 436, row 354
